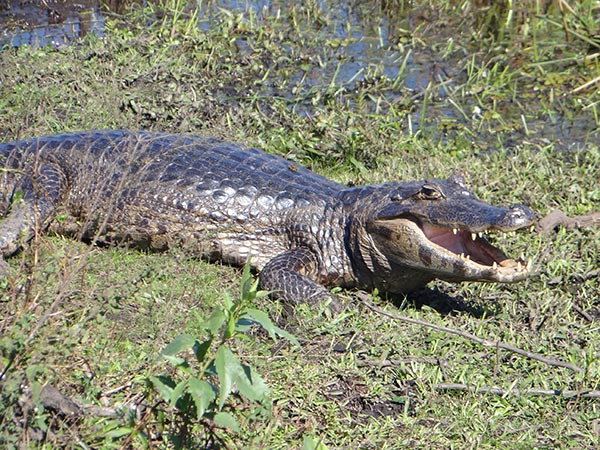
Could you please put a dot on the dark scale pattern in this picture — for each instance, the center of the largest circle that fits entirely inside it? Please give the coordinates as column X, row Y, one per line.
column 218, row 200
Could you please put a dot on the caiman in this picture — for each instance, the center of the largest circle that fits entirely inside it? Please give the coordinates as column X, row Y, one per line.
column 301, row 231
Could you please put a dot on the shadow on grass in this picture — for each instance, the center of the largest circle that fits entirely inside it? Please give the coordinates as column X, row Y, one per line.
column 443, row 302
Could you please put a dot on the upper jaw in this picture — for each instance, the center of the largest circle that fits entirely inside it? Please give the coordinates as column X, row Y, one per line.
column 475, row 216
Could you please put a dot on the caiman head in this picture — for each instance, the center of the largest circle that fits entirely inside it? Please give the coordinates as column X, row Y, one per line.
column 430, row 229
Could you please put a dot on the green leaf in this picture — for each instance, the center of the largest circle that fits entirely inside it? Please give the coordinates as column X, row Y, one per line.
column 261, row 294
column 248, row 284
column 203, row 395
column 250, row 384
column 264, row 321
column 17, row 196
column 226, row 420
column 358, row 165
column 311, row 443
column 61, row 217
column 290, row 337
column 119, row 432
column 177, row 392
column 231, row 371
column 216, row 320
column 261, row 318
column 180, row 343
column 227, row 367
column 201, row 349
column 176, row 361
column 228, row 301
column 230, row 329
column 162, row 385
column 243, row 324
column 36, row 391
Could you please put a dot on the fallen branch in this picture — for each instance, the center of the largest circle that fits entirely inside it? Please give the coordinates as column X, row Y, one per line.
column 557, row 219
column 471, row 337
column 396, row 362
column 499, row 391
column 56, row 401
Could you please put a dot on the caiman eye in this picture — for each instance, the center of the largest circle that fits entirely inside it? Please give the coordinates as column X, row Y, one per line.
column 430, row 192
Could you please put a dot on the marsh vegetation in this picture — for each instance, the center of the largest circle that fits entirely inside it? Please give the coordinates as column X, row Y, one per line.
column 507, row 93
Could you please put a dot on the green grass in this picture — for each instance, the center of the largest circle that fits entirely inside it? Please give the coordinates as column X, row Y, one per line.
column 92, row 322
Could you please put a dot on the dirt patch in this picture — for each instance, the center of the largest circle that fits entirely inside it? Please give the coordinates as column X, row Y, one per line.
column 353, row 396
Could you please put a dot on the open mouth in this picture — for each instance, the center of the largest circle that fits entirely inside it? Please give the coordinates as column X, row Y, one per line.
column 472, row 246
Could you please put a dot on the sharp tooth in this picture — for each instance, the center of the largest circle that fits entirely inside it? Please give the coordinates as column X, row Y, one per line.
column 519, row 266
column 462, row 255
column 473, row 236
column 468, row 257
column 532, row 228
column 454, row 230
column 480, row 234
column 529, row 264
column 494, row 265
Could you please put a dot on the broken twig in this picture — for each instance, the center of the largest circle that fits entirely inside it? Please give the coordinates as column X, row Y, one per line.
column 500, row 391
column 472, row 337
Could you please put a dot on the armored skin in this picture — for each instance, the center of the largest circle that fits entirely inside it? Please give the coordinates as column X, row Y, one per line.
column 302, row 232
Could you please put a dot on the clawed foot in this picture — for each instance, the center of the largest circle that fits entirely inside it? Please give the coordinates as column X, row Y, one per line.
column 3, row 267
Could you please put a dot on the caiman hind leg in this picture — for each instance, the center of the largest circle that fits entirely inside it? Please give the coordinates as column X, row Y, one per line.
column 289, row 277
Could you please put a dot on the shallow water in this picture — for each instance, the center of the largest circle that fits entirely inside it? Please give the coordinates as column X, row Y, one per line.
column 364, row 40
column 48, row 23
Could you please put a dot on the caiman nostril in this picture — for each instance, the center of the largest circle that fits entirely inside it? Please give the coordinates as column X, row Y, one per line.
column 518, row 216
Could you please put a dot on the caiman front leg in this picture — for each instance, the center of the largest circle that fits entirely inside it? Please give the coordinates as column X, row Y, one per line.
column 14, row 230
column 30, row 212
column 288, row 277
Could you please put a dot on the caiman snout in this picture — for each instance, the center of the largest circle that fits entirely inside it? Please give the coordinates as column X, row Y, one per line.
column 517, row 216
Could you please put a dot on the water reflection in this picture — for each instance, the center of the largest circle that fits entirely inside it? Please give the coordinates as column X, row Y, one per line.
column 46, row 22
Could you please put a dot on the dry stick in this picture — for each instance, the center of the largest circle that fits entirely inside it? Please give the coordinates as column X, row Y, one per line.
column 499, row 391
column 585, row 85
column 471, row 337
column 562, row 5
